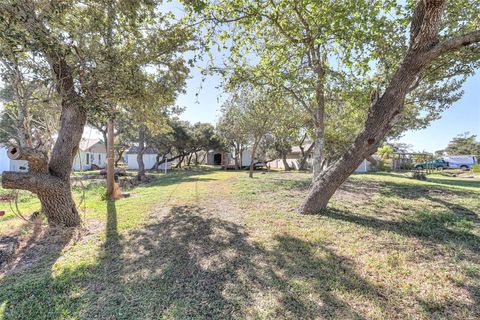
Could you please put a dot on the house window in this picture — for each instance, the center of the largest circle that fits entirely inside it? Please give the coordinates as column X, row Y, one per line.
column 99, row 158
column 91, row 157
column 87, row 158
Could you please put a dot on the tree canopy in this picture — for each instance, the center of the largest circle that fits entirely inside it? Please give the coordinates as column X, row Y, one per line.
column 464, row 144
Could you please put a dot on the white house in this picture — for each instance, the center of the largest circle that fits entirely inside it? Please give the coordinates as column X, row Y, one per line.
column 293, row 159
column 11, row 165
column 294, row 156
column 92, row 153
column 149, row 159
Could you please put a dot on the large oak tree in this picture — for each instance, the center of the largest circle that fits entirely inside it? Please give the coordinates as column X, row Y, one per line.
column 100, row 55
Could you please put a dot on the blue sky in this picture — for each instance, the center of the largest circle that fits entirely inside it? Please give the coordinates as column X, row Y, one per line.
column 461, row 117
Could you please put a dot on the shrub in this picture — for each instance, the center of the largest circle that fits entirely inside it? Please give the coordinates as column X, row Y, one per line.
column 476, row 168
column 384, row 166
column 419, row 175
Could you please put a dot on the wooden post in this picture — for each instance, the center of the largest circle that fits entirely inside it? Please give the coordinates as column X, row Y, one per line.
column 110, row 162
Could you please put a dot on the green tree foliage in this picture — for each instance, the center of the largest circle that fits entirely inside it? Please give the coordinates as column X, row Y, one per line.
column 334, row 57
column 101, row 57
column 386, row 151
column 464, row 144
column 233, row 135
column 251, row 112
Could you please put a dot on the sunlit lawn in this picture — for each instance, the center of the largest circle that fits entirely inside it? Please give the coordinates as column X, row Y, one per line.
column 211, row 244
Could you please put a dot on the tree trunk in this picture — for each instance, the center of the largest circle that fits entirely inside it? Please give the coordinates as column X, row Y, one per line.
column 196, row 158
column 286, row 166
column 237, row 156
column 372, row 160
column 204, row 155
column 105, row 137
column 254, row 150
column 119, row 157
column 179, row 164
column 59, row 207
column 303, row 160
column 189, row 159
column 51, row 181
column 386, row 110
column 110, row 164
column 157, row 162
column 317, row 152
column 141, row 150
column 54, row 194
column 241, row 156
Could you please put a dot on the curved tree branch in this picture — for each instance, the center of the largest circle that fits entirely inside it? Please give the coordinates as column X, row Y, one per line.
column 455, row 43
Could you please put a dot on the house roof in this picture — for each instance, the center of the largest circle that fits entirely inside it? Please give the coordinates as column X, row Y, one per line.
column 148, row 150
column 86, row 144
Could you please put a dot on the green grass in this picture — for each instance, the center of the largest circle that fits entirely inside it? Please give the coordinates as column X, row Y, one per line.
column 217, row 245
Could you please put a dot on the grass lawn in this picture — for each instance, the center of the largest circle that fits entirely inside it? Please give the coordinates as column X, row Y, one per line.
column 208, row 244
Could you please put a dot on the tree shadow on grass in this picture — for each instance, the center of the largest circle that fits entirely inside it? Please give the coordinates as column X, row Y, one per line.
column 191, row 264
column 176, row 177
column 27, row 283
column 427, row 227
column 455, row 183
column 438, row 179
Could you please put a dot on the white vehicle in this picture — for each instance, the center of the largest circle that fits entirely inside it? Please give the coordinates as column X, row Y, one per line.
column 460, row 162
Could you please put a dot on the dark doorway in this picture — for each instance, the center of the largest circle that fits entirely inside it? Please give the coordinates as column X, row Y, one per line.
column 217, row 159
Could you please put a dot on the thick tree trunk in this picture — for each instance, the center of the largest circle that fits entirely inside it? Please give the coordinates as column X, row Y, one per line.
column 372, row 160
column 59, row 207
column 254, row 151
column 52, row 182
column 54, row 193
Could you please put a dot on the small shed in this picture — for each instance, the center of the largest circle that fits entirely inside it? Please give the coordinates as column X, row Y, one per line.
column 149, row 158
column 92, row 153
column 220, row 158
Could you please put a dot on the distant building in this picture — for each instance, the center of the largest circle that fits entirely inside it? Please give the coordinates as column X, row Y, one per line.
column 149, row 159
column 220, row 158
column 295, row 156
column 92, row 153
column 293, row 159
